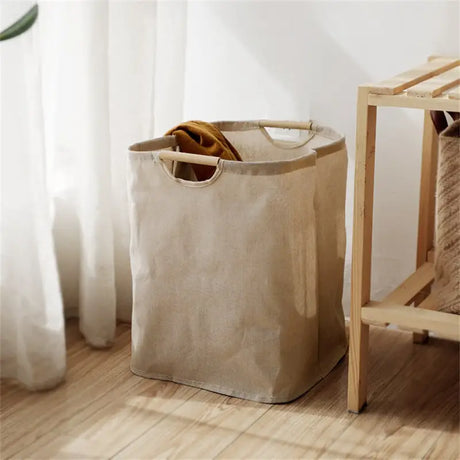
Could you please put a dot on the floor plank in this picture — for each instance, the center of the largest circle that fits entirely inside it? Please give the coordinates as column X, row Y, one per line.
column 104, row 411
column 200, row 428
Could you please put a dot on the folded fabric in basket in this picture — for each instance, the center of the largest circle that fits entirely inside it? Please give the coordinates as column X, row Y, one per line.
column 203, row 138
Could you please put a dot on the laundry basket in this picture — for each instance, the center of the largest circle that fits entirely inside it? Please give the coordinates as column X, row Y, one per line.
column 237, row 280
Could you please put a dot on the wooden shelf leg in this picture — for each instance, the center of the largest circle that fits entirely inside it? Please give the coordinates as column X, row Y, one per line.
column 426, row 217
column 362, row 248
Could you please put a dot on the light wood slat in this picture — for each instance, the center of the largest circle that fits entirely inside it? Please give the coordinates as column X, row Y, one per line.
column 404, row 80
column 412, row 102
column 437, row 84
column 426, row 214
column 405, row 293
column 430, row 303
column 362, row 247
column 427, row 204
column 399, row 328
column 454, row 93
column 412, row 329
column 286, row 124
column 440, row 56
column 189, row 158
column 444, row 324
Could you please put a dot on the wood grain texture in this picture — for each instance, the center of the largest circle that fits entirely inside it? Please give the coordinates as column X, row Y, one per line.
column 285, row 124
column 454, row 93
column 430, row 302
column 402, row 81
column 188, row 158
column 446, row 325
column 393, row 309
column 412, row 102
column 104, row 411
column 427, row 204
column 405, row 293
column 436, row 85
column 366, row 117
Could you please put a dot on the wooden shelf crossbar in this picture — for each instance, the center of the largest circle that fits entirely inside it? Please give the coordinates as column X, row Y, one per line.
column 393, row 309
column 445, row 325
column 406, row 292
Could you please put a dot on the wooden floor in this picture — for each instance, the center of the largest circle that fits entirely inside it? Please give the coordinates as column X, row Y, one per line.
column 103, row 411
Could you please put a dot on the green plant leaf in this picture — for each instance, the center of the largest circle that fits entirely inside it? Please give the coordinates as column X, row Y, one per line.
column 21, row 25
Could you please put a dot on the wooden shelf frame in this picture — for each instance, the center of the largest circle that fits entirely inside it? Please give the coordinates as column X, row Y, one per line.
column 431, row 86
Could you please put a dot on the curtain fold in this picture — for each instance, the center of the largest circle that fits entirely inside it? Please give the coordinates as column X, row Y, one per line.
column 77, row 90
column 32, row 324
column 80, row 154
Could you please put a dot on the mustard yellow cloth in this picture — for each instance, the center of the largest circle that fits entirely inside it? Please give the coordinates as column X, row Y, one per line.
column 203, row 138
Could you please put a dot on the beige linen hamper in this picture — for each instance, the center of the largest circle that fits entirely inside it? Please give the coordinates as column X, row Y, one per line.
column 237, row 280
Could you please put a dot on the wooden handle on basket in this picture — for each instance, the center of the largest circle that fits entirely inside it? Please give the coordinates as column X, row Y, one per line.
column 189, row 158
column 286, row 124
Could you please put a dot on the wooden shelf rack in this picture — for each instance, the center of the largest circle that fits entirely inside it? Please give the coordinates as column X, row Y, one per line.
column 433, row 85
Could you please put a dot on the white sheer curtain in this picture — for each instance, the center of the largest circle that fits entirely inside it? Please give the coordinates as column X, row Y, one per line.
column 87, row 80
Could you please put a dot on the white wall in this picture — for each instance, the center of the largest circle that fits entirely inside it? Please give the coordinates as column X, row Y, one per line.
column 302, row 60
